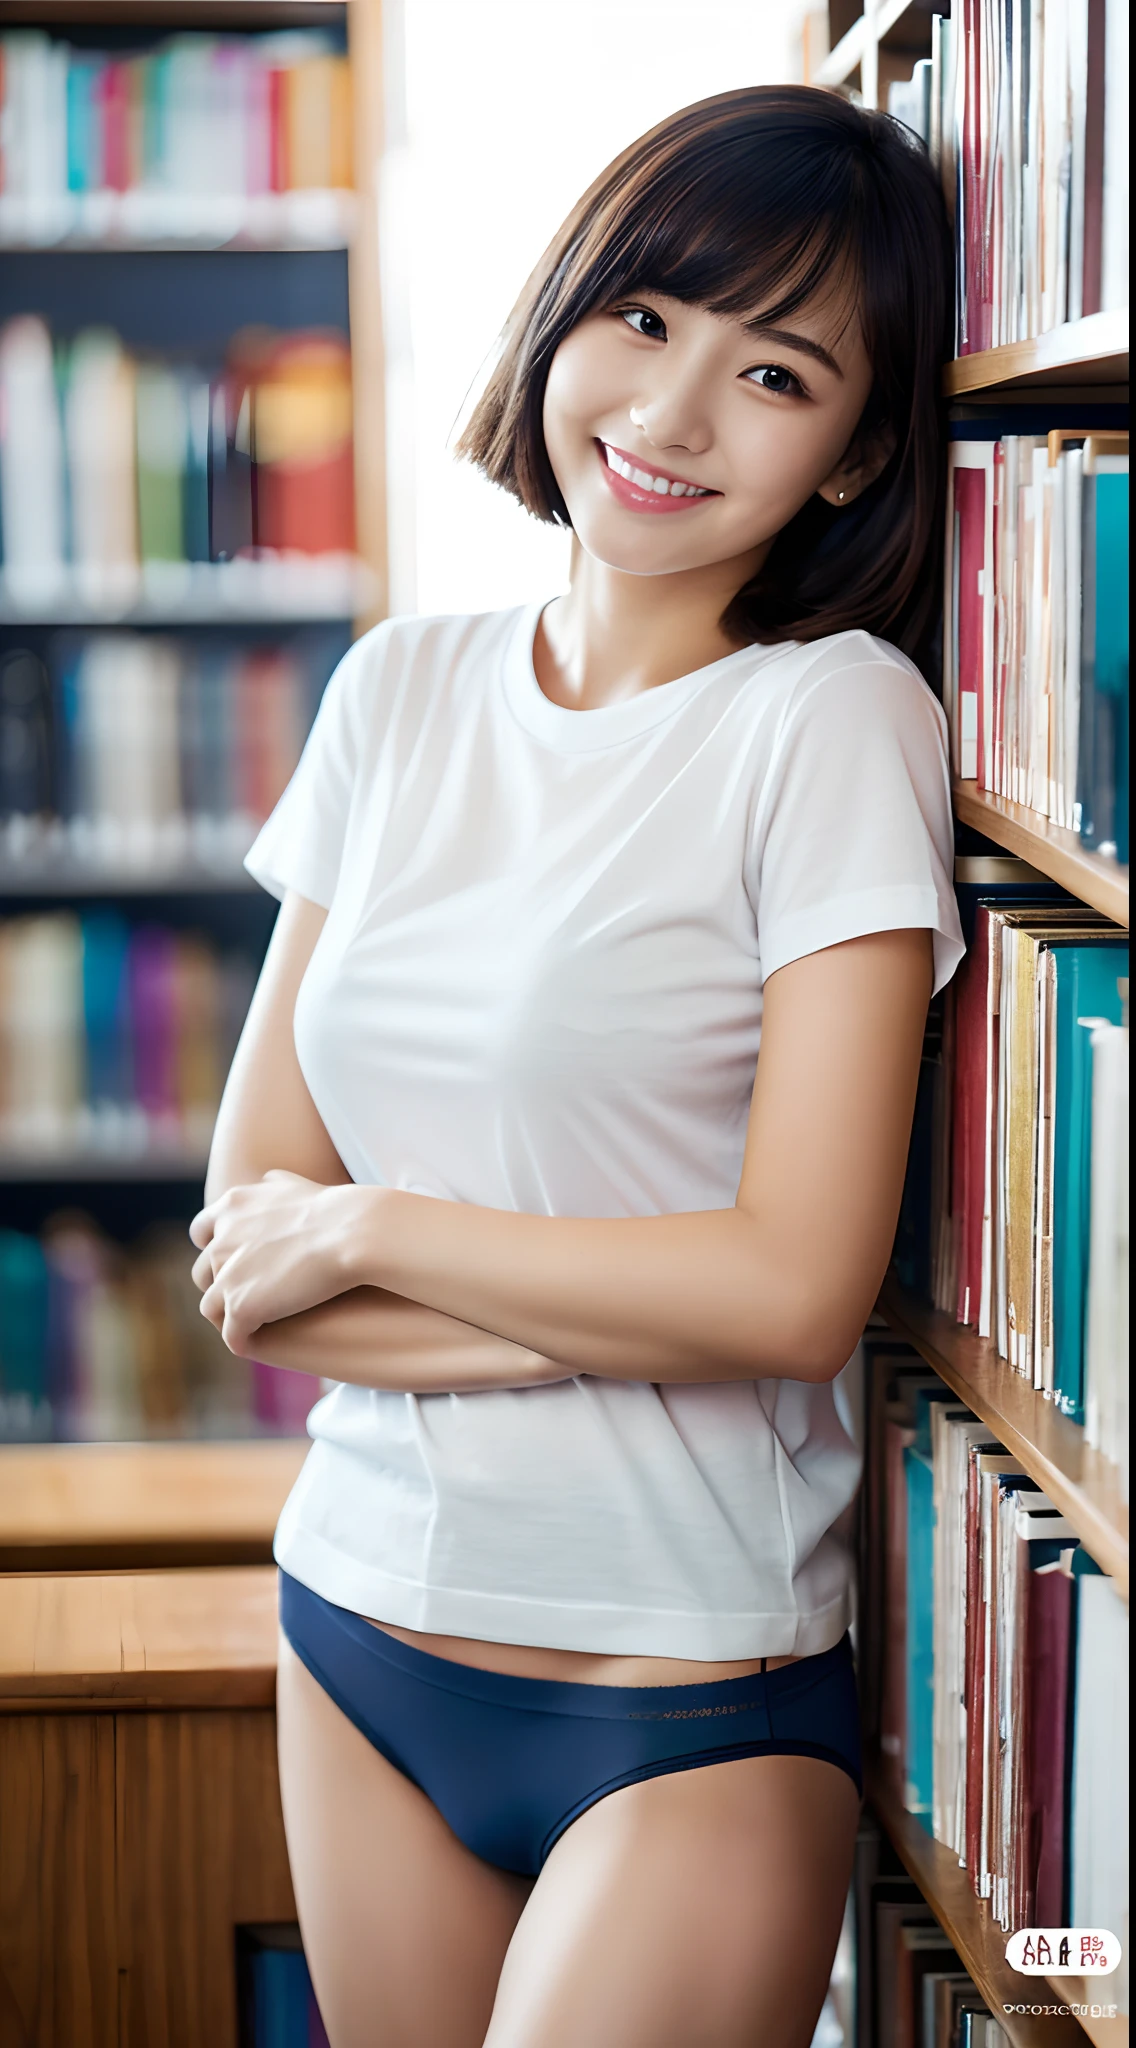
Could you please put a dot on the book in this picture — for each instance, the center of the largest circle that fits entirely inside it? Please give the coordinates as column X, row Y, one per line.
column 1087, row 979
column 303, row 446
column 32, row 488
column 25, row 1412
column 1102, row 763
column 27, row 737
column 1048, row 1623
column 920, row 1951
column 278, row 2007
column 99, row 437
column 1106, row 1320
column 1099, row 1843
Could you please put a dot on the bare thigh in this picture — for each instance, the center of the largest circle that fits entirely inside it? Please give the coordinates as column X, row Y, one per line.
column 405, row 1929
column 697, row 1910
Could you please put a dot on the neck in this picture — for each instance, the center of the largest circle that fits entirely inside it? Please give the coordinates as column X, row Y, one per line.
column 614, row 635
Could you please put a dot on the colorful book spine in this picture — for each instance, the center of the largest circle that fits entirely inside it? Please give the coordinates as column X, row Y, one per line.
column 113, row 1040
column 1035, row 650
column 188, row 140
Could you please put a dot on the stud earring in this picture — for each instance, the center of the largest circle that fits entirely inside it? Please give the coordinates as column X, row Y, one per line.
column 840, row 497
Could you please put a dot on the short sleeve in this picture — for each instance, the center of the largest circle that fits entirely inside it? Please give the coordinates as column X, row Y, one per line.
column 853, row 830
column 301, row 845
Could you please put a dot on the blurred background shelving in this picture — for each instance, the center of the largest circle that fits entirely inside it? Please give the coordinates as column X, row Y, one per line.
column 192, row 531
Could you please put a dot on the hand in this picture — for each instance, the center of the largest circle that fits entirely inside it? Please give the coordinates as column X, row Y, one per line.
column 273, row 1249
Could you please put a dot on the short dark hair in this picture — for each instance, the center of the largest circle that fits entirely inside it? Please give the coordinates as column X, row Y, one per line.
column 761, row 199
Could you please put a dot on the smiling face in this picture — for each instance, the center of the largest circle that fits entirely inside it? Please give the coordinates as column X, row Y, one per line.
column 681, row 439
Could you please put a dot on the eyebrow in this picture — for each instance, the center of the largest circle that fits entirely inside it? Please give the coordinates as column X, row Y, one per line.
column 786, row 339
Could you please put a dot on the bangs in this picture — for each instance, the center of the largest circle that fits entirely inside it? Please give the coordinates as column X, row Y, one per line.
column 692, row 242
column 753, row 205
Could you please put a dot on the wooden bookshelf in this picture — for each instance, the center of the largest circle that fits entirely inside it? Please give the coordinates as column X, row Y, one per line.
column 1082, row 1484
column 71, row 1507
column 980, row 1942
column 1060, row 854
column 1089, row 351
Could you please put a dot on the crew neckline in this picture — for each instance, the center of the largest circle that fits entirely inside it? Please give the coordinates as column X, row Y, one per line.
column 573, row 731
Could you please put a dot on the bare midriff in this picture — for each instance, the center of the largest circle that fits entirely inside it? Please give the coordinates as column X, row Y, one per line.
column 576, row 1667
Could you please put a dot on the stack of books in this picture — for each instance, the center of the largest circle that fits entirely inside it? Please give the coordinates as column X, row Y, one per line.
column 115, row 1038
column 104, row 1342
column 1000, row 1655
column 1028, row 1176
column 200, row 139
column 120, row 476
column 1035, row 642
column 1024, row 107
column 137, row 752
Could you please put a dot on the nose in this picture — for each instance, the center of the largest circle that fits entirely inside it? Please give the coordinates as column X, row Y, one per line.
column 673, row 416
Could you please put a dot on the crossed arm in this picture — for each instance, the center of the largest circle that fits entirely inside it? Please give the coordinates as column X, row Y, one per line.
column 302, row 1268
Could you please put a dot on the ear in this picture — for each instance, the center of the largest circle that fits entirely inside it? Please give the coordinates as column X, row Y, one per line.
column 865, row 458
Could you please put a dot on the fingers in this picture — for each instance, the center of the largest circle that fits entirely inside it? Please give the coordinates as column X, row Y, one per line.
column 203, row 1274
column 212, row 1305
column 201, row 1229
column 226, row 1317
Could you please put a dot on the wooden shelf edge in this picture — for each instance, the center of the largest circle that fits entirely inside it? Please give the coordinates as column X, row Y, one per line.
column 970, row 1925
column 142, row 1693
column 1059, row 854
column 1103, row 2031
column 161, row 1503
column 1093, row 350
column 146, row 1641
column 1082, row 1484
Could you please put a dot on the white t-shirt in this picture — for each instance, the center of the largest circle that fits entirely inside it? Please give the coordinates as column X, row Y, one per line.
column 539, row 988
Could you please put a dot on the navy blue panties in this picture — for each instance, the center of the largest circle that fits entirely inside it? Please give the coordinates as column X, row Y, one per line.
column 511, row 1762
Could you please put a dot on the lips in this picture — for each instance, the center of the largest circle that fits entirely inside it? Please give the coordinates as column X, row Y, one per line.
column 643, row 490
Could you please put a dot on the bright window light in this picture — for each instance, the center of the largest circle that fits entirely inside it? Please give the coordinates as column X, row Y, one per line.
column 500, row 113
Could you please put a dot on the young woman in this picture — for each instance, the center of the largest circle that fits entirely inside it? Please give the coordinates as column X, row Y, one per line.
column 568, row 1735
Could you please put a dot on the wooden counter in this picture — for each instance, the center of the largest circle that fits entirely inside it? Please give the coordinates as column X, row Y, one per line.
column 139, row 1804
column 128, row 1506
column 137, row 1640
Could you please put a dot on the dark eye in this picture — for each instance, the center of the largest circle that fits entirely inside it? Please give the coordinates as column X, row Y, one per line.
column 774, row 377
column 644, row 321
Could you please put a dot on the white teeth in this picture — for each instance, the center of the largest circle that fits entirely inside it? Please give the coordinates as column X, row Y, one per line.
column 659, row 484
